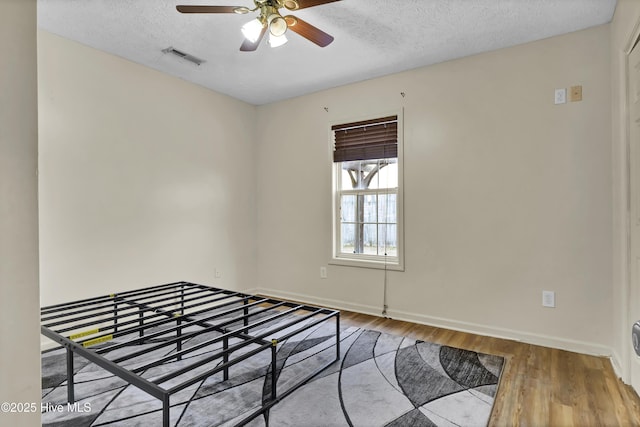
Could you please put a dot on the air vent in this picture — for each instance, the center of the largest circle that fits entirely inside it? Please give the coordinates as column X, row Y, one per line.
column 183, row 55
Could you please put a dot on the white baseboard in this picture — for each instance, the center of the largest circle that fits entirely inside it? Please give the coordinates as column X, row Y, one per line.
column 584, row 347
column 616, row 363
column 326, row 302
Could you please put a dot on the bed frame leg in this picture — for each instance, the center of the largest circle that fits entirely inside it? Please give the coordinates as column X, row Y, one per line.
column 274, row 367
column 338, row 336
column 246, row 316
column 141, row 324
column 165, row 411
column 115, row 315
column 225, row 356
column 178, row 335
column 266, row 418
column 182, row 300
column 70, row 392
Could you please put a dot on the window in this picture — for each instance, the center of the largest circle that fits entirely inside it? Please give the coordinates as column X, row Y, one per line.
column 367, row 193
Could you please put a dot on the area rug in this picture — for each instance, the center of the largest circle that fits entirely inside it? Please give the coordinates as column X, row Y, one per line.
column 380, row 380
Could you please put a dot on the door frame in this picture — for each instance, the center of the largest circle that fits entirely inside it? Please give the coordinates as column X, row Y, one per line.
column 627, row 348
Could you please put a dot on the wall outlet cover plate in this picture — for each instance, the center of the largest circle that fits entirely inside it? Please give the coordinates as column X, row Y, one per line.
column 548, row 299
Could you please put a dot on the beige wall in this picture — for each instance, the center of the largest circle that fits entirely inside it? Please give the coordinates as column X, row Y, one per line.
column 19, row 312
column 144, row 178
column 623, row 30
column 506, row 194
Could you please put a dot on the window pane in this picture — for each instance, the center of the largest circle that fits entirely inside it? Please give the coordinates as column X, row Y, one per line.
column 370, row 239
column 369, row 174
column 373, row 169
column 387, row 208
column 352, row 174
column 384, row 173
column 348, row 238
column 388, row 175
column 345, row 179
column 348, row 208
column 388, row 239
column 370, row 208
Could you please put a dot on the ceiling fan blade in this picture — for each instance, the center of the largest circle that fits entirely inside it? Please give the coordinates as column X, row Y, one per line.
column 308, row 31
column 249, row 46
column 303, row 4
column 208, row 9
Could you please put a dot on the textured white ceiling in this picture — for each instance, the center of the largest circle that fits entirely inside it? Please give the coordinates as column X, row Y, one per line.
column 372, row 38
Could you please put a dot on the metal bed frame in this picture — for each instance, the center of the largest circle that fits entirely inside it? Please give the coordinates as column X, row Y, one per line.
column 85, row 327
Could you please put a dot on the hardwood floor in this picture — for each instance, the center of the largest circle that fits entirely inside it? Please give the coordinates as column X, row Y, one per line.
column 540, row 386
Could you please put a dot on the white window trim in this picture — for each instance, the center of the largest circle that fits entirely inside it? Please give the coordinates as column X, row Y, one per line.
column 364, row 260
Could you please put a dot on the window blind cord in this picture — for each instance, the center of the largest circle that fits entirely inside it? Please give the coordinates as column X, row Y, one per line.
column 384, row 291
column 386, row 217
column 385, row 281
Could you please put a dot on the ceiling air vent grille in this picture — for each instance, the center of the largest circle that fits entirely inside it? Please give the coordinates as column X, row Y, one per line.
column 183, row 55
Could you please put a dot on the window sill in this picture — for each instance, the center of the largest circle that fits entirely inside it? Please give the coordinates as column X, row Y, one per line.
column 367, row 263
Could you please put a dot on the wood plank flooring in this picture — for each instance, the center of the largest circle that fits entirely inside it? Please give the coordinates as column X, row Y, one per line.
column 540, row 386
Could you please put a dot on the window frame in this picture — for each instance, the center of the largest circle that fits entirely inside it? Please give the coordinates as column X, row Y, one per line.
column 367, row 260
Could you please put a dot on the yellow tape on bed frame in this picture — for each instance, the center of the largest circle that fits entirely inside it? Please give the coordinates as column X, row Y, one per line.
column 83, row 334
column 97, row 340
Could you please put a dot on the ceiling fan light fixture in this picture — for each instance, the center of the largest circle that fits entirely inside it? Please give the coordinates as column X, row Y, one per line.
column 291, row 4
column 277, row 25
column 275, row 41
column 252, row 29
column 241, row 10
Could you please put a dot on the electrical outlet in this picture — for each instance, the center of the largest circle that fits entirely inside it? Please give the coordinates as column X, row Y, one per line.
column 560, row 96
column 323, row 272
column 548, row 299
column 217, row 273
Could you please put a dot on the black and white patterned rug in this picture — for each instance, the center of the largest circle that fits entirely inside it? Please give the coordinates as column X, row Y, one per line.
column 380, row 380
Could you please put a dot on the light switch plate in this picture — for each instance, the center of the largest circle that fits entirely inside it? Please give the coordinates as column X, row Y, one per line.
column 560, row 96
column 548, row 299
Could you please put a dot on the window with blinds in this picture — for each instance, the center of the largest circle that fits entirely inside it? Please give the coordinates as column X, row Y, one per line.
column 367, row 226
column 366, row 140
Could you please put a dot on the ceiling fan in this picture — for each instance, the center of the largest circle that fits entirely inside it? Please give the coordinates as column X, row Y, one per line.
column 270, row 19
